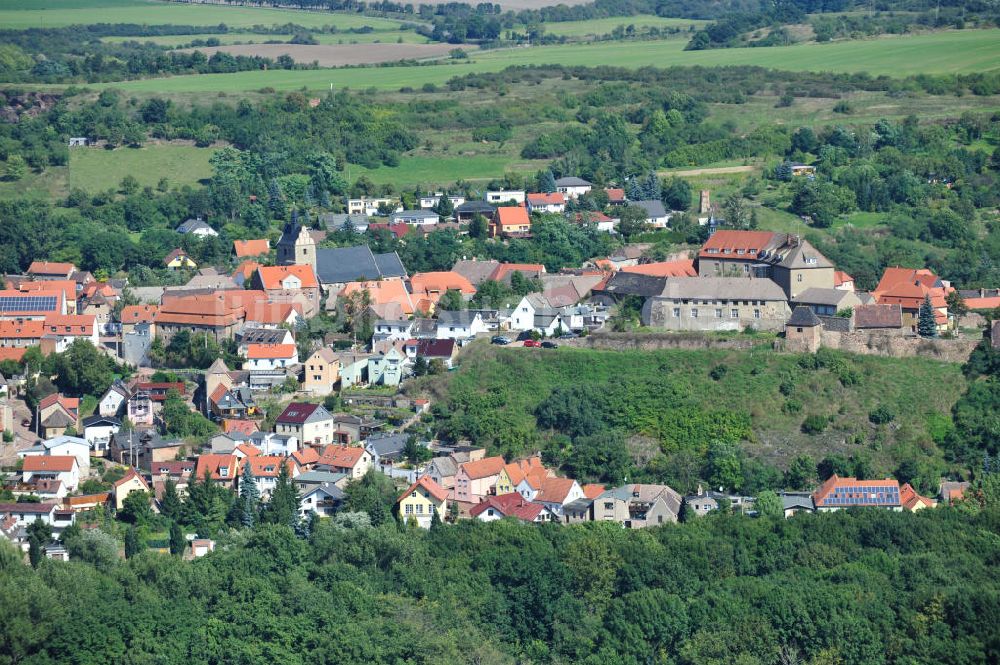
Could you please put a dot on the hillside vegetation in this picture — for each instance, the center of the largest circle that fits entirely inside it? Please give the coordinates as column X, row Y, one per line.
column 677, row 404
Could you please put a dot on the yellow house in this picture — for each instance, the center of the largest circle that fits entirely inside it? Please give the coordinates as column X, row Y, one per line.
column 322, row 372
column 179, row 259
column 421, row 500
column 130, row 482
column 512, row 474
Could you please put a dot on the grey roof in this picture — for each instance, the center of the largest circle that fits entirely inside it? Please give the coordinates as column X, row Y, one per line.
column 802, row 255
column 58, row 419
column 446, row 466
column 424, row 328
column 410, row 214
column 630, row 283
column 332, row 490
column 578, row 505
column 472, row 207
column 475, row 271
column 318, row 477
column 335, row 221
column 800, row 501
column 804, row 317
column 394, row 323
column 193, row 225
column 572, row 181
column 347, row 264
column 652, row 208
column 90, row 421
column 722, row 288
column 387, row 444
column 461, row 317
column 261, row 336
column 817, row 296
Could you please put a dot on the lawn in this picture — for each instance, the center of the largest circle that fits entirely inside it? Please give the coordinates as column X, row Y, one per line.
column 932, row 53
column 95, row 169
column 55, row 13
column 443, row 170
column 604, row 26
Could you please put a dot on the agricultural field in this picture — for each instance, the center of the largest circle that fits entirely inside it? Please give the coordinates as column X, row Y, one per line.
column 95, row 169
column 18, row 14
column 443, row 170
column 933, row 53
column 333, row 55
column 379, row 36
column 603, row 26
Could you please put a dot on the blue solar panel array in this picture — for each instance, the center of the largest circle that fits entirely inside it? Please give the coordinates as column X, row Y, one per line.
column 10, row 304
column 863, row 496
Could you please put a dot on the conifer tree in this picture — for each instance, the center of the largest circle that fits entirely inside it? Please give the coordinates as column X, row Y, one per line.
column 283, row 507
column 133, row 544
column 249, row 496
column 926, row 325
column 170, row 504
column 177, row 540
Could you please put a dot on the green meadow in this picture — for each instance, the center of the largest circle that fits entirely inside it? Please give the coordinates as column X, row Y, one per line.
column 379, row 36
column 96, row 169
column 441, row 169
column 933, row 53
column 18, row 14
column 603, row 26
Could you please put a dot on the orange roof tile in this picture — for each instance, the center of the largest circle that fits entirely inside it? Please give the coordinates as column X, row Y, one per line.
column 213, row 464
column 555, row 490
column 435, row 283
column 517, row 471
column 615, row 194
column 246, row 269
column 306, row 456
column 484, row 468
column 244, row 248
column 273, row 277
column 593, row 490
column 8, row 353
column 555, row 198
column 267, row 466
column 527, row 269
column 840, row 277
column 982, row 303
column 341, row 457
column 66, row 286
column 130, row 475
column 383, row 292
column 270, row 351
column 22, row 329
column 512, row 216
column 909, row 498
column 138, row 313
column 683, row 268
column 230, row 425
column 749, row 242
column 248, row 450
column 50, row 268
column 55, row 463
column 428, row 484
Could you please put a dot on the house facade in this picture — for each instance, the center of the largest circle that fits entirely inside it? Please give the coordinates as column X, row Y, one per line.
column 309, row 423
column 421, row 501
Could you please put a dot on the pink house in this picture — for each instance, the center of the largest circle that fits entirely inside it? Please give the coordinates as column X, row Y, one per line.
column 476, row 480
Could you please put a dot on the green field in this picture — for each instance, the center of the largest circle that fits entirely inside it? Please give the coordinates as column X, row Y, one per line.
column 95, row 169
column 934, row 53
column 603, row 26
column 13, row 15
column 443, row 169
column 379, row 36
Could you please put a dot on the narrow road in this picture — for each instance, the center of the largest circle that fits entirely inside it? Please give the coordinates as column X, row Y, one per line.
column 720, row 170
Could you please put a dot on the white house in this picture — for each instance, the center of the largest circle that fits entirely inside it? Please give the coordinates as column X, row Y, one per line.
column 270, row 443
column 656, row 215
column 62, row 446
column 460, row 325
column 270, row 357
column 367, row 206
column 197, row 227
column 50, row 513
column 415, row 217
column 97, row 431
column 554, row 202
column 113, row 400
column 499, row 196
column 63, row 468
column 573, row 187
column 265, row 470
column 392, row 330
column 431, row 200
column 535, row 313
column 553, row 493
column 323, row 499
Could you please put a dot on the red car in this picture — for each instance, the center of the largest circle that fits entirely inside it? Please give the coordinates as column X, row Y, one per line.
column 532, row 343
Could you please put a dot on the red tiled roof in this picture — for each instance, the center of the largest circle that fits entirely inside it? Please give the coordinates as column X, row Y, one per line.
column 683, row 268
column 512, row 216
column 130, row 475
column 341, row 457
column 272, row 276
column 270, row 351
column 50, row 268
column 306, row 456
column 555, row 198
column 840, row 277
column 138, row 313
column 246, row 269
column 22, row 329
column 878, row 316
column 267, row 466
column 593, row 490
column 11, row 353
column 516, row 471
column 213, row 463
column 427, row 484
column 484, row 468
column 244, row 248
column 71, row 404
column 509, row 505
column 66, row 286
column 399, row 229
column 836, row 484
column 615, row 195
column 555, row 490
column 983, row 303
column 439, row 282
column 248, row 450
column 230, row 425
column 910, row 499
column 527, row 269
column 177, row 254
column 297, row 413
column 56, row 463
column 750, row 242
column 172, row 468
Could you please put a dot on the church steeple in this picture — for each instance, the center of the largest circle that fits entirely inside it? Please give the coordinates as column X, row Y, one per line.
column 296, row 246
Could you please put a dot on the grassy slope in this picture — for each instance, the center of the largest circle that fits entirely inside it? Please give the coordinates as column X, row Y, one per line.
column 94, row 169
column 936, row 53
column 444, row 170
column 13, row 15
column 526, row 377
column 603, row 26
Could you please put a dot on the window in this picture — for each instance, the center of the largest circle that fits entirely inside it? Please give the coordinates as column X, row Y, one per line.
column 677, row 312
column 798, row 278
column 756, row 314
column 718, row 313
column 409, row 509
column 734, row 313
column 609, row 505
column 694, row 312
column 420, row 508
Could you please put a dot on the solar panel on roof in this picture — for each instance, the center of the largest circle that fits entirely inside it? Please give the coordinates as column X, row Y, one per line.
column 27, row 303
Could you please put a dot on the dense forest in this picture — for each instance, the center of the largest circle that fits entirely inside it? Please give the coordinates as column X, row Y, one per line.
column 862, row 587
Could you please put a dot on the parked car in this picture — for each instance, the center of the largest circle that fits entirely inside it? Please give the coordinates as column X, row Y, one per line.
column 568, row 335
column 524, row 335
column 501, row 340
column 549, row 345
column 534, row 343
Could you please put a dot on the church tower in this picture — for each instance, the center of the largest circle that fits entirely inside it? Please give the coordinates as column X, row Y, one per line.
column 296, row 246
